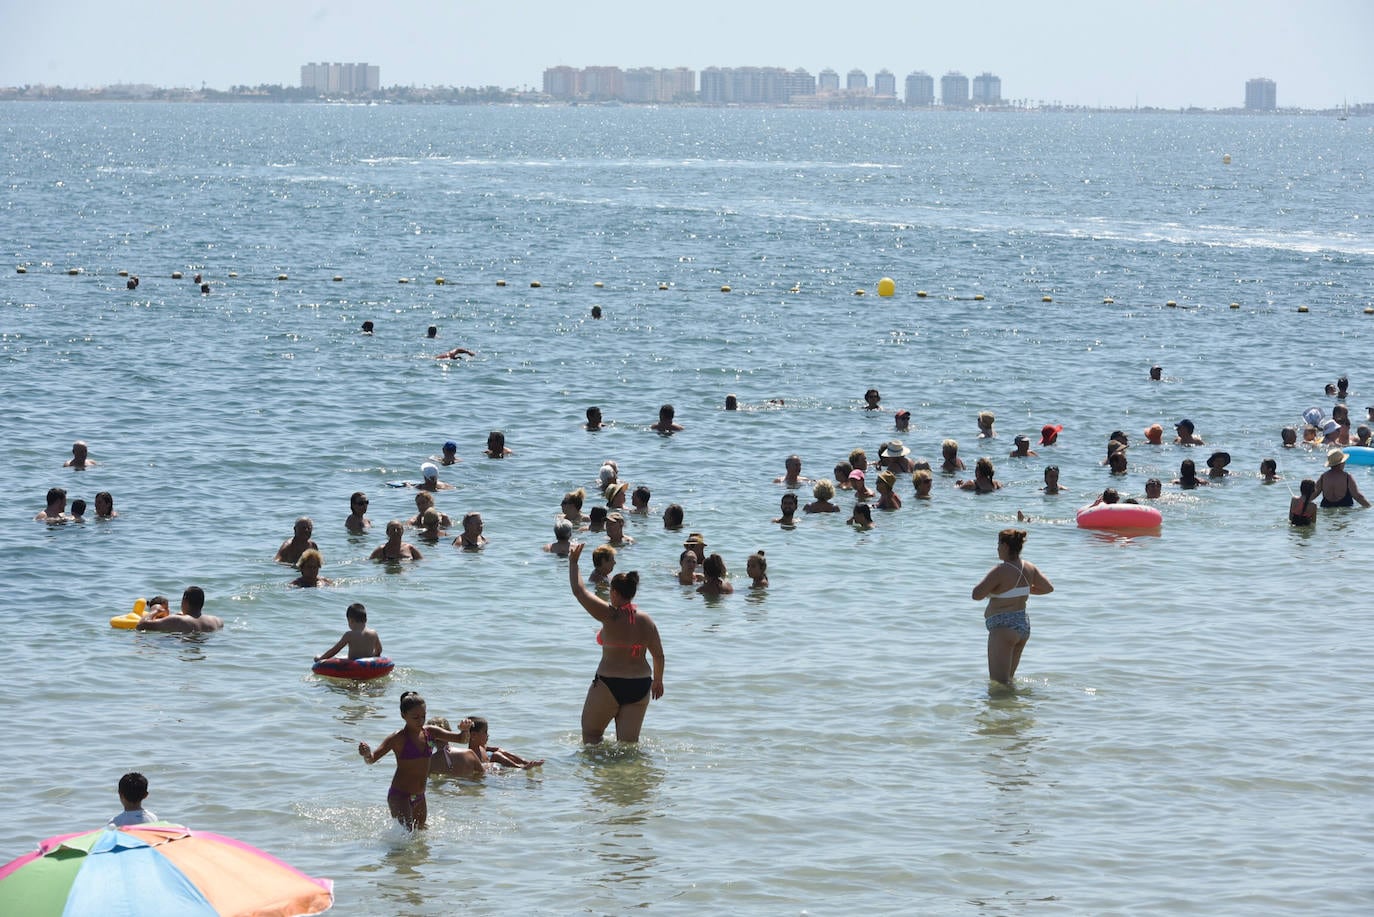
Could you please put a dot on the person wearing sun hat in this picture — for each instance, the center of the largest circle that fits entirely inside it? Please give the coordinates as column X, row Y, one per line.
column 1331, row 432
column 893, row 456
column 430, row 474
column 1337, row 486
column 615, row 494
column 1154, row 434
column 1216, row 464
column 1050, row 432
column 697, row 545
column 1186, row 436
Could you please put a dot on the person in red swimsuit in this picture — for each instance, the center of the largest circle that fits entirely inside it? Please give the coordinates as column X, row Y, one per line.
column 624, row 681
column 413, row 745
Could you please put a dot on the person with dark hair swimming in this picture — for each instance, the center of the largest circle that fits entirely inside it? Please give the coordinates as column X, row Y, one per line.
column 624, row 681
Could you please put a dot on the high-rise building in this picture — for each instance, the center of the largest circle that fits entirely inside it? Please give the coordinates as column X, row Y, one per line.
column 753, row 85
column 562, row 82
column 828, row 81
column 987, row 89
column 341, row 79
column 885, row 84
column 920, row 89
column 602, row 84
column 1260, row 95
column 954, row 90
column 856, row 81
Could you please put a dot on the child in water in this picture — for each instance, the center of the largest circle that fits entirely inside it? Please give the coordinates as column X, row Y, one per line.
column 361, row 640
column 413, row 745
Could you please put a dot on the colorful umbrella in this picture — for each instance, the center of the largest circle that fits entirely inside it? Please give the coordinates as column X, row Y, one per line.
column 154, row 869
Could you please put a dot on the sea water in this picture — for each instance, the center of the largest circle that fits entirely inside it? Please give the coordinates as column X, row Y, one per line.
column 1190, row 728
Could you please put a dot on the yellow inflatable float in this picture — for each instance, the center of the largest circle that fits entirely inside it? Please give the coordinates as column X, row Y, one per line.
column 130, row 619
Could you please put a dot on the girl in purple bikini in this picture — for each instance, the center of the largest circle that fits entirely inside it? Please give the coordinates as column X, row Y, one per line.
column 413, row 745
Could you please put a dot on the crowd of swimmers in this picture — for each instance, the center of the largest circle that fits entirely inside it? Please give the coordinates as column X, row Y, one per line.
column 631, row 669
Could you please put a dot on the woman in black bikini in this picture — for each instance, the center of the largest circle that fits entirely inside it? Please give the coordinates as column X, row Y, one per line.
column 624, row 681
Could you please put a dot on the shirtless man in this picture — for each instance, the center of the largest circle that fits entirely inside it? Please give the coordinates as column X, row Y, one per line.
column 292, row 548
column 79, row 460
column 56, row 510
column 1336, row 485
column 792, row 475
column 189, row 620
column 665, row 424
column 1186, row 436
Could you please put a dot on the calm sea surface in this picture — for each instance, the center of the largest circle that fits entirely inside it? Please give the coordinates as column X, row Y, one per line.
column 1191, row 730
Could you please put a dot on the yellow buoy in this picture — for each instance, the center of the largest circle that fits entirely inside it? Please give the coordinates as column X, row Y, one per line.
column 598, row 284
column 176, row 275
column 281, row 277
column 725, row 288
column 1302, row 308
column 1047, row 299
column 500, row 283
column 439, row 281
column 979, row 297
column 886, row 287
column 858, row 292
column 1226, row 159
column 535, row 284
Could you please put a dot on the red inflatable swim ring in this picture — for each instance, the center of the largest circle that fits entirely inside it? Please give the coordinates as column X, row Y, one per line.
column 1119, row 516
column 356, row 669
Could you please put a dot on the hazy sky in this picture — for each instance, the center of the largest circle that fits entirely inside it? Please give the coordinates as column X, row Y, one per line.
column 1168, row 53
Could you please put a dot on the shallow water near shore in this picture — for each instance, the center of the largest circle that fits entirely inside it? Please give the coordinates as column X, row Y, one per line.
column 1189, row 731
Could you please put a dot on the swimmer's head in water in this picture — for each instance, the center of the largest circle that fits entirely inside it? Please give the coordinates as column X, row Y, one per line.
column 430, row 471
column 450, row 447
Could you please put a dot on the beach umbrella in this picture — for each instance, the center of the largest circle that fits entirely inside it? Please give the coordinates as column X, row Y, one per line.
column 155, row 869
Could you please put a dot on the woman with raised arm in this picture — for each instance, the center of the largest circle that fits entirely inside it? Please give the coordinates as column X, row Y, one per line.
column 624, row 680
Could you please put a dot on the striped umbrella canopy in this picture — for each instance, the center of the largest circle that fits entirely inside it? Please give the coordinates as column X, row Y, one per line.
column 156, row 869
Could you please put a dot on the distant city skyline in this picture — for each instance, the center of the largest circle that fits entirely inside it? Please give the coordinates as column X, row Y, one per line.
column 1165, row 54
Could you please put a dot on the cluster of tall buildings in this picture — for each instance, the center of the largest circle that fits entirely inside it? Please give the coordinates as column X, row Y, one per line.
column 765, row 86
column 1260, row 95
column 341, row 79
